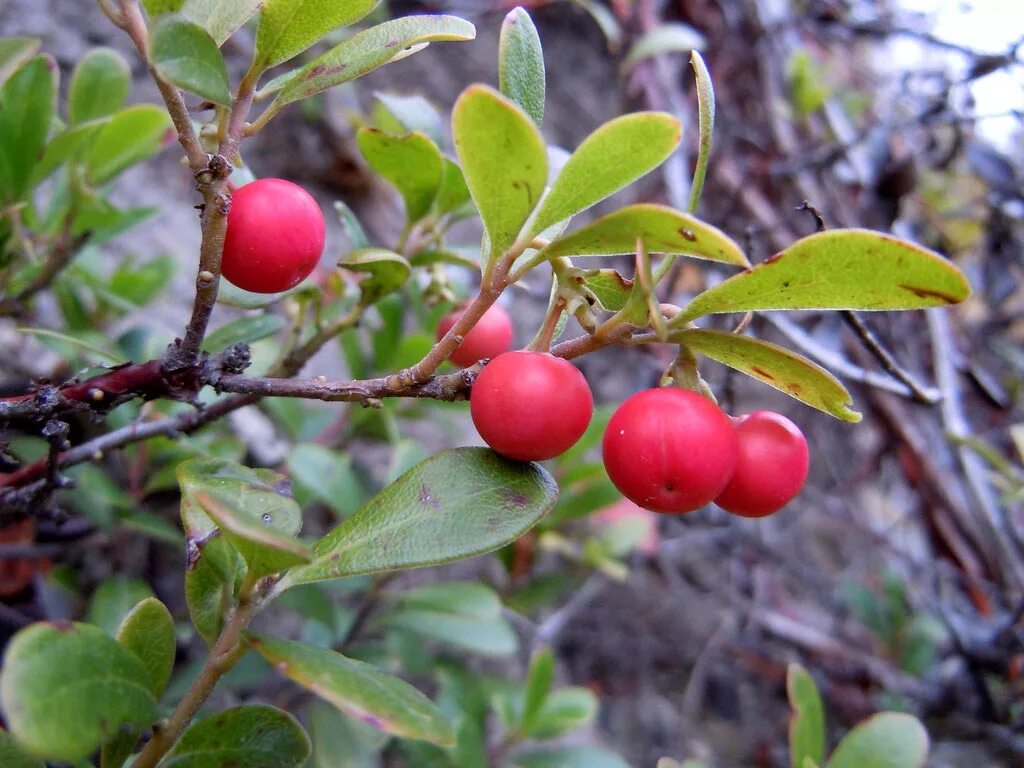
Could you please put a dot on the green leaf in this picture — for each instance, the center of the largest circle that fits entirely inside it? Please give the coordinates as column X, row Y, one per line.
column 411, row 163
column 807, row 87
column 148, row 632
column 612, row 157
column 353, row 228
column 668, row 37
column 244, row 330
column 132, row 135
column 463, row 597
column 99, row 85
column 399, row 115
column 27, row 103
column 184, row 54
column 454, row 505
column 220, row 18
column 288, row 27
column 385, row 270
column 538, row 685
column 886, row 740
column 66, row 688
column 157, row 7
column 358, row 689
column 838, row 269
column 663, row 230
column 521, row 64
column 776, row 366
column 254, row 736
column 364, row 52
column 807, row 725
column 250, row 508
column 564, row 709
column 340, row 741
column 504, row 161
column 327, row 475
column 113, row 600
column 568, row 757
column 66, row 146
column 15, row 51
column 12, row 756
column 453, row 193
column 610, row 288
column 211, row 574
column 706, row 121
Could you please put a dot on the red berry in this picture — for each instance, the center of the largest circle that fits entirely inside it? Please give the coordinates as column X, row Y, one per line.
column 772, row 466
column 669, row 450
column 530, row 406
column 275, row 236
column 491, row 336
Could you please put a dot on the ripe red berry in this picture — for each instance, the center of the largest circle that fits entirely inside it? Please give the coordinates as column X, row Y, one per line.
column 669, row 450
column 275, row 236
column 530, row 406
column 491, row 336
column 772, row 466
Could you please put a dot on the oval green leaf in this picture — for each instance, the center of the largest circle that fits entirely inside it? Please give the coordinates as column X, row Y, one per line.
column 807, row 725
column 521, row 64
column 504, row 161
column 288, row 27
column 15, row 51
column 839, row 269
column 99, row 85
column 385, row 270
column 80, row 672
column 663, row 230
column 157, row 7
column 148, row 632
column 184, row 54
column 886, row 740
column 113, row 600
column 776, row 366
column 254, row 736
column 133, row 134
column 412, row 164
column 27, row 104
column 454, row 505
column 364, row 52
column 251, row 508
column 358, row 689
column 612, row 157
column 220, row 18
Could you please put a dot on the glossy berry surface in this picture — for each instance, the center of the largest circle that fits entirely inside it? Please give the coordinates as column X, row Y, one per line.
column 275, row 236
column 530, row 406
column 491, row 336
column 669, row 450
column 772, row 466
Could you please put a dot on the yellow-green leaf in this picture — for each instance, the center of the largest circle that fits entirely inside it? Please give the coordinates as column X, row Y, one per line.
column 807, row 725
column 148, row 632
column 386, row 271
column 412, row 164
column 288, row 27
column 521, row 64
column 220, row 17
column 886, row 740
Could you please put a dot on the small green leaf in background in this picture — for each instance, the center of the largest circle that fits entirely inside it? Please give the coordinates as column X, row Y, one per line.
column 504, row 161
column 358, row 689
column 564, row 710
column 886, row 740
column 254, row 736
column 568, row 757
column 662, row 229
column 252, row 509
column 27, row 105
column 538, row 684
column 220, row 18
column 340, row 741
column 454, row 505
column 184, row 54
column 706, row 123
column 612, row 157
column 411, row 163
column 12, row 756
column 66, row 688
column 325, row 475
column 15, row 51
column 462, row 614
column 133, row 134
column 806, row 85
column 148, row 632
column 113, row 600
column 244, row 330
column 385, row 271
column 364, row 52
column 521, row 64
column 838, row 269
column 807, row 725
column 669, row 37
column 99, row 85
column 288, row 27
column 397, row 115
column 354, row 231
column 776, row 366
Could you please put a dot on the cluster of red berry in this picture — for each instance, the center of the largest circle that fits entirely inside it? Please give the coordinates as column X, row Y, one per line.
column 668, row 450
